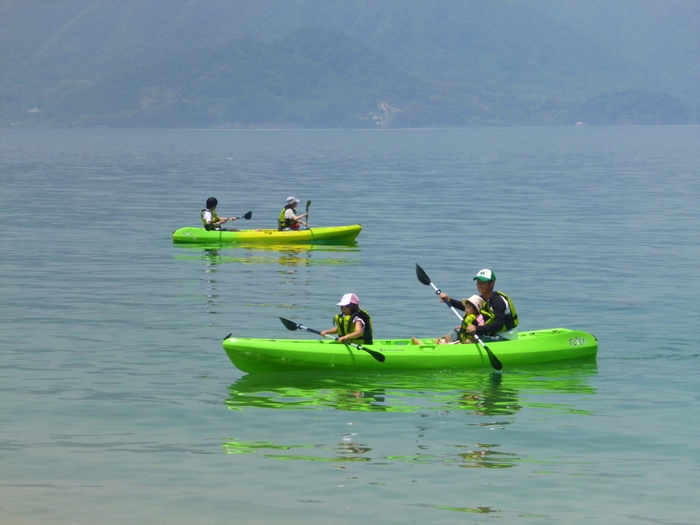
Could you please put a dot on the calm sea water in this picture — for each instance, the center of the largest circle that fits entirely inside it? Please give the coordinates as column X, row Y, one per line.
column 118, row 404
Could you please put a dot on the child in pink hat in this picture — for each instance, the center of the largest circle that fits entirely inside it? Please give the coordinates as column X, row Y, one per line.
column 353, row 324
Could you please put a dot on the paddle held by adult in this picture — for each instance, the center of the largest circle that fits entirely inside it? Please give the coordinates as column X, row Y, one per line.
column 423, row 278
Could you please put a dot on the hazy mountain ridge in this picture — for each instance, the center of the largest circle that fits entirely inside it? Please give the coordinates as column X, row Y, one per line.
column 663, row 36
column 320, row 63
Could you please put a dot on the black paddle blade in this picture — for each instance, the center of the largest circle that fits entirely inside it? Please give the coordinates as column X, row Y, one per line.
column 377, row 355
column 422, row 276
column 495, row 363
column 289, row 325
column 308, row 203
column 248, row 215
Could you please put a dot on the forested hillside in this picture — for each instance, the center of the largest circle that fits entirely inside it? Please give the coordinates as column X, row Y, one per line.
column 663, row 36
column 346, row 63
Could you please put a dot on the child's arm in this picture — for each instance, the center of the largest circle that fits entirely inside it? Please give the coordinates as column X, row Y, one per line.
column 333, row 330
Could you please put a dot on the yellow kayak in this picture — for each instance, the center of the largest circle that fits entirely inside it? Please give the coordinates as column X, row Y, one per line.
column 327, row 235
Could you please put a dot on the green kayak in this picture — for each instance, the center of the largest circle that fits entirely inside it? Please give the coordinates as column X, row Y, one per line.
column 535, row 347
column 327, row 235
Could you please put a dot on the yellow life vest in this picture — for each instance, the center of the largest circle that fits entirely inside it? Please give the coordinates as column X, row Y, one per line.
column 468, row 320
column 511, row 319
column 214, row 218
column 346, row 326
column 283, row 222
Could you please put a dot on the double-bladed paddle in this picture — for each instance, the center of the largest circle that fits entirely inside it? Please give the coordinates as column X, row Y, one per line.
column 291, row 325
column 308, row 203
column 423, row 278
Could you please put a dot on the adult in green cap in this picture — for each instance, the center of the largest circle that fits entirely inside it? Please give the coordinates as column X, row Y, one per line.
column 501, row 319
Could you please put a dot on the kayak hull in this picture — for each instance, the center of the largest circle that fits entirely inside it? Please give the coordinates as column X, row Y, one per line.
column 535, row 347
column 329, row 235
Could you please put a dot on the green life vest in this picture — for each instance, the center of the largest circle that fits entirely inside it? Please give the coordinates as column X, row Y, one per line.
column 511, row 320
column 283, row 222
column 468, row 320
column 346, row 326
column 214, row 218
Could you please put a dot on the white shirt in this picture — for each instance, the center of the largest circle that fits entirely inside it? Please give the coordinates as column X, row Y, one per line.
column 355, row 319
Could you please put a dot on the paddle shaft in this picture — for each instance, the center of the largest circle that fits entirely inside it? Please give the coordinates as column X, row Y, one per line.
column 495, row 362
column 246, row 216
column 289, row 325
column 438, row 292
column 377, row 355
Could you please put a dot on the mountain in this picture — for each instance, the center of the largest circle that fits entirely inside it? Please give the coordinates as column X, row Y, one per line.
column 311, row 77
column 341, row 63
column 662, row 36
column 635, row 107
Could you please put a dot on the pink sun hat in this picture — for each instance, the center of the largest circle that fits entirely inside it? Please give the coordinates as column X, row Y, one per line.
column 348, row 299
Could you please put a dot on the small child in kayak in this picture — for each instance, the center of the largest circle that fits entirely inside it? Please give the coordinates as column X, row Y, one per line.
column 353, row 324
column 472, row 315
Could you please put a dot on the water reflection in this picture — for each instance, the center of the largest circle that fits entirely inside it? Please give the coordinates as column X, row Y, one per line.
column 489, row 399
column 473, row 510
column 477, row 392
column 210, row 269
column 285, row 255
column 293, row 260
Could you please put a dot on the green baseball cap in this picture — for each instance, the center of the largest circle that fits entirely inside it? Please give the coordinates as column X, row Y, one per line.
column 485, row 275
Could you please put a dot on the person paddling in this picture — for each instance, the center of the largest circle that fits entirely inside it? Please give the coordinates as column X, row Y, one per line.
column 209, row 217
column 288, row 220
column 353, row 324
column 498, row 310
column 472, row 316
